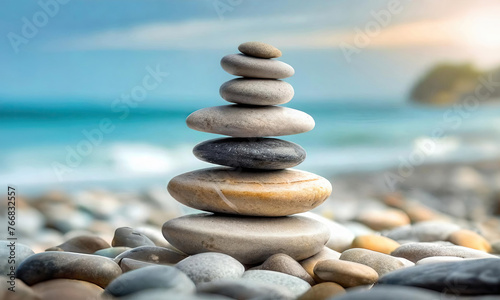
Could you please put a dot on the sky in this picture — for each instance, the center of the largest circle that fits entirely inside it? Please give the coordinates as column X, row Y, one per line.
column 99, row 50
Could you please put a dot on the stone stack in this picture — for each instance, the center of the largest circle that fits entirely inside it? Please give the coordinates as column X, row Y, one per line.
column 252, row 197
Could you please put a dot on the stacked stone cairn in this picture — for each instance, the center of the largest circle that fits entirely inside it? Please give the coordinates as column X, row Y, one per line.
column 251, row 199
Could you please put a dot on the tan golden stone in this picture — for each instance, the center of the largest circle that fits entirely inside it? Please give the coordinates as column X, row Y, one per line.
column 470, row 239
column 376, row 243
column 345, row 273
column 252, row 193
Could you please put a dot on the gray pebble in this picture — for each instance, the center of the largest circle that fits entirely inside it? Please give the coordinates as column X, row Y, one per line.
column 295, row 285
column 210, row 266
column 154, row 277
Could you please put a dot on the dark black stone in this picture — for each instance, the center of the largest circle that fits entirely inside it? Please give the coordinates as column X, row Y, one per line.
column 467, row 277
column 251, row 153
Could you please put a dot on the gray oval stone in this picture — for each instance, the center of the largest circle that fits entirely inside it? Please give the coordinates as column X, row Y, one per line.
column 250, row 121
column 466, row 277
column 256, row 91
column 151, row 254
column 251, row 153
column 259, row 49
column 206, row 267
column 111, row 252
column 418, row 251
column 248, row 66
column 380, row 262
column 128, row 237
column 12, row 249
column 250, row 240
column 52, row 265
column 295, row 285
column 154, row 277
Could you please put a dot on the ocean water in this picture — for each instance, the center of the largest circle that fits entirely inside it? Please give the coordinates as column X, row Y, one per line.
column 46, row 147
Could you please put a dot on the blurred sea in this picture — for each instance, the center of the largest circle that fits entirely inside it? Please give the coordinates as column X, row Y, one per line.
column 153, row 144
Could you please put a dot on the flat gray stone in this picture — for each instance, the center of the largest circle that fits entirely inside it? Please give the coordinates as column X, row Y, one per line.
column 295, row 285
column 245, row 289
column 154, row 277
column 12, row 250
column 259, row 49
column 248, row 66
column 152, row 254
column 251, row 153
column 128, row 237
column 54, row 265
column 250, row 240
column 467, row 277
column 389, row 292
column 250, row 121
column 210, row 266
column 254, row 91
column 417, row 251
column 380, row 262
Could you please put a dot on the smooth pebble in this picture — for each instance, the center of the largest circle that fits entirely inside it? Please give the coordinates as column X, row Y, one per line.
column 250, row 240
column 252, row 153
column 259, row 49
column 248, row 66
column 210, row 266
column 253, row 91
column 295, row 285
column 154, row 277
column 253, row 193
column 250, row 121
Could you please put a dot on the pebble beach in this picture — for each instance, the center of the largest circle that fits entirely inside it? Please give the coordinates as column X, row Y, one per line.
column 267, row 230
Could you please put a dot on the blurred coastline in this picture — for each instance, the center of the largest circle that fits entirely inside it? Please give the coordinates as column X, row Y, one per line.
column 61, row 147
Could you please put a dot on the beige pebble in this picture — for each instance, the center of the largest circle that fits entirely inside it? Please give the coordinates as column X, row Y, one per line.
column 251, row 193
column 248, row 66
column 470, row 239
column 380, row 262
column 345, row 273
column 259, row 49
column 377, row 243
column 309, row 263
column 285, row 264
